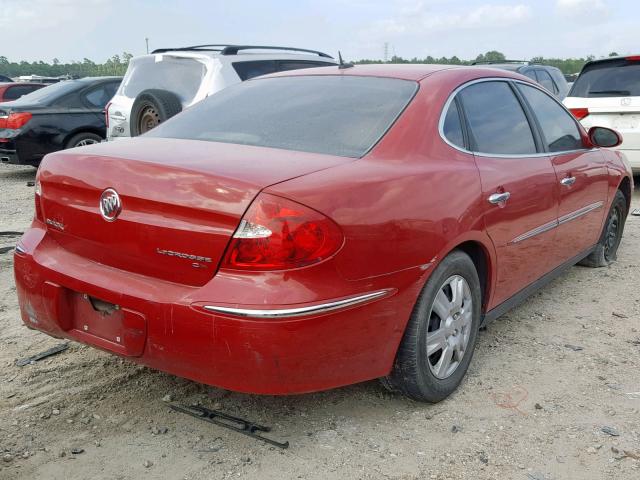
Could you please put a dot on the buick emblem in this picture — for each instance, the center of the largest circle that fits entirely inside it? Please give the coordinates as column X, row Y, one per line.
column 625, row 102
column 110, row 205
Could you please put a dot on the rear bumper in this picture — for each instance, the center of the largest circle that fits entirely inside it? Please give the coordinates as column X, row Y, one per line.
column 167, row 327
column 9, row 156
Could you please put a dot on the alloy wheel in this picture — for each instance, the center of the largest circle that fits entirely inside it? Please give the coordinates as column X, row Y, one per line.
column 449, row 329
column 86, row 141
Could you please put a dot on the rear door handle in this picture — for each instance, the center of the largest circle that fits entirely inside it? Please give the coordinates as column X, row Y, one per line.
column 497, row 198
column 568, row 181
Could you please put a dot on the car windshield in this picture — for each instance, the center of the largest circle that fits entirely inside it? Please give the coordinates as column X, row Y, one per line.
column 613, row 78
column 335, row 115
column 179, row 75
column 49, row 93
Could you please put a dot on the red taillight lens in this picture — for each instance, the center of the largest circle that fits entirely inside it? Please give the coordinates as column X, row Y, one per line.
column 278, row 234
column 106, row 115
column 632, row 58
column 579, row 113
column 15, row 120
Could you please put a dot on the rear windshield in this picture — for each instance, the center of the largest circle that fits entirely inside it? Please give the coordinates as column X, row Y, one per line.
column 613, row 78
column 335, row 115
column 179, row 75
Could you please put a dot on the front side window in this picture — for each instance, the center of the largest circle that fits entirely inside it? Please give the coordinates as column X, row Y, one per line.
column 496, row 119
column 330, row 114
column 558, row 127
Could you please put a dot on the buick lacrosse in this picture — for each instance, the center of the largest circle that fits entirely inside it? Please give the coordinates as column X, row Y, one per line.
column 322, row 227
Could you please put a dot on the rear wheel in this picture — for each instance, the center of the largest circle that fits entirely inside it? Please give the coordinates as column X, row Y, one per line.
column 82, row 139
column 606, row 251
column 151, row 108
column 441, row 334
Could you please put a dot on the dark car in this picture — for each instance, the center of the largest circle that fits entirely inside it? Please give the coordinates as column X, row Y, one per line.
column 10, row 91
column 549, row 77
column 64, row 115
column 4, row 78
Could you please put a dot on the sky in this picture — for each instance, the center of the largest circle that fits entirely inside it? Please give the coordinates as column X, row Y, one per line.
column 97, row 29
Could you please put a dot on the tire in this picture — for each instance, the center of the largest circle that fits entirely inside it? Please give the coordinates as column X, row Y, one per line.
column 606, row 250
column 151, row 108
column 82, row 139
column 424, row 377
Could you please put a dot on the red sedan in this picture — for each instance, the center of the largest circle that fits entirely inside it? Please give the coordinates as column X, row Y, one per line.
column 318, row 228
column 13, row 91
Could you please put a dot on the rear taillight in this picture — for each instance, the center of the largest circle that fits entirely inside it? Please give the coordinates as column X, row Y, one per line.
column 106, row 115
column 15, row 120
column 279, row 234
column 38, row 201
column 579, row 113
column 632, row 58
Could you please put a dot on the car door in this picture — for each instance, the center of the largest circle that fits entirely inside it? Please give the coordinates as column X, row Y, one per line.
column 519, row 186
column 581, row 174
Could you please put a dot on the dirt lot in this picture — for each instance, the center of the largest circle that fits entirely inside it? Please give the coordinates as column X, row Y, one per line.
column 545, row 381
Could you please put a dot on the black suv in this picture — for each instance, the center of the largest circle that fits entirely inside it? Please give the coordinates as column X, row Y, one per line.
column 549, row 77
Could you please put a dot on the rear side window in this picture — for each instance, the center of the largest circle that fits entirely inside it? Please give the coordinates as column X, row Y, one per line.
column 18, row 91
column 284, row 65
column 496, row 119
column 181, row 76
column 335, row 115
column 100, row 96
column 452, row 128
column 247, row 70
column 546, row 81
column 612, row 78
column 558, row 127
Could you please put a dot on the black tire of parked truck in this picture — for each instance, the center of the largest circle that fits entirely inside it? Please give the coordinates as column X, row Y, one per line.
column 151, row 108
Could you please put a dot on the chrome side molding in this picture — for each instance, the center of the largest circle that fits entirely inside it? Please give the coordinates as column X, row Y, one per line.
column 300, row 311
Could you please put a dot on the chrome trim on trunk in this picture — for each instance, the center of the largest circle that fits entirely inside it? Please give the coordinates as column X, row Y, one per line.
column 297, row 312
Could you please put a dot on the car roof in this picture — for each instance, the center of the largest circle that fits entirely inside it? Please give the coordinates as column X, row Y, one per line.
column 610, row 59
column 403, row 71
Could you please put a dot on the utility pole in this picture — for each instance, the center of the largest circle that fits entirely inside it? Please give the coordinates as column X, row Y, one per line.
column 146, row 39
column 386, row 52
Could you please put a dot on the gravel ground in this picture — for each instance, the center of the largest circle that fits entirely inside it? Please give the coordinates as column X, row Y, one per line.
column 553, row 392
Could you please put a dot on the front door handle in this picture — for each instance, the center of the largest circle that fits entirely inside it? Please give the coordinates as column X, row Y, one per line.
column 497, row 198
column 568, row 181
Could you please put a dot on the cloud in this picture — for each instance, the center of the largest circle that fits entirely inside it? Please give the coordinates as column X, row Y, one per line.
column 420, row 17
column 580, row 9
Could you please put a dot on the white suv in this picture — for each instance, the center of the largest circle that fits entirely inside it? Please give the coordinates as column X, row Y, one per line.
column 607, row 94
column 159, row 85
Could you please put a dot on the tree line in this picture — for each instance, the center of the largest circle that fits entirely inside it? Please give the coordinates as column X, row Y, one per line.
column 117, row 65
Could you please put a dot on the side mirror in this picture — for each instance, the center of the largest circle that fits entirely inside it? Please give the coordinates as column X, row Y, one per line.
column 604, row 137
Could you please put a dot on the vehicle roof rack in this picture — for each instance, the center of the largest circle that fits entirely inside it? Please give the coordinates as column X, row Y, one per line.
column 226, row 49
column 490, row 62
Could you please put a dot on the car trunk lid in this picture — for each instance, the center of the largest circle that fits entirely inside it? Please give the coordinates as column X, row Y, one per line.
column 181, row 200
